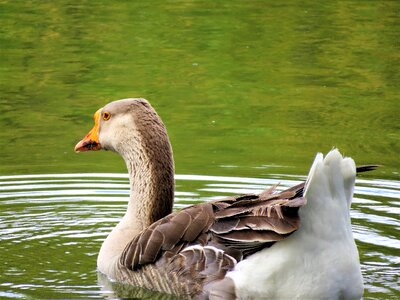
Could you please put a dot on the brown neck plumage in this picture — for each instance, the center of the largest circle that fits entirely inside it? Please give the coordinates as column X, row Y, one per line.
column 149, row 159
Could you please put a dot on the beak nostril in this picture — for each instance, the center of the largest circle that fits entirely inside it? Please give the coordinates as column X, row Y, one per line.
column 92, row 145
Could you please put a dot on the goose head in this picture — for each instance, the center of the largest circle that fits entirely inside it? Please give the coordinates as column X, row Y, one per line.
column 133, row 129
column 122, row 122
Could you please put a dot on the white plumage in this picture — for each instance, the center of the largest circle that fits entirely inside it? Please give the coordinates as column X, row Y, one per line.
column 320, row 260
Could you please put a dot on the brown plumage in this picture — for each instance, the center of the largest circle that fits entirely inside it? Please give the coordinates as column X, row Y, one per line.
column 200, row 244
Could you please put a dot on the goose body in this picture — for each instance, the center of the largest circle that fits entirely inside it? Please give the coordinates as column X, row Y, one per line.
column 294, row 244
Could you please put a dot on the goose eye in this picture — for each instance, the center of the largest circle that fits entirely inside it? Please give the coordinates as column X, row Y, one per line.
column 106, row 116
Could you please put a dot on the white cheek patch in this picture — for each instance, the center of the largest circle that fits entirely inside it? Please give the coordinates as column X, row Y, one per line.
column 114, row 131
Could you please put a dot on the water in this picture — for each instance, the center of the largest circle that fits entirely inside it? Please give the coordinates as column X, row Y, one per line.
column 250, row 91
column 53, row 226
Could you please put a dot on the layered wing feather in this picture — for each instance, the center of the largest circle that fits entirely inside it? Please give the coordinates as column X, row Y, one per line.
column 201, row 243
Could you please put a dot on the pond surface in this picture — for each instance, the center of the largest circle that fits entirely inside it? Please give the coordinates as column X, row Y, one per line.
column 53, row 226
column 250, row 91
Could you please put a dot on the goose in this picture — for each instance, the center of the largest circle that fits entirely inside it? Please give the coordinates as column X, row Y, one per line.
column 293, row 244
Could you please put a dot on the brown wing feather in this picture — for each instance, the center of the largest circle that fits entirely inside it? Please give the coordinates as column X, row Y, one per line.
column 201, row 243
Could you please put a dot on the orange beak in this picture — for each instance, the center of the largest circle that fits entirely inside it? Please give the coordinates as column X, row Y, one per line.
column 91, row 140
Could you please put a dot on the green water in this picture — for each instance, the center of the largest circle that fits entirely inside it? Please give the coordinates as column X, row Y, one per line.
column 242, row 83
column 246, row 89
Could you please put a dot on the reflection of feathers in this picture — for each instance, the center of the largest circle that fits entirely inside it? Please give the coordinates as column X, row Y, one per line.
column 113, row 290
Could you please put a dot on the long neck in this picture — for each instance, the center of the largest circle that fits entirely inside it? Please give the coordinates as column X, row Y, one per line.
column 151, row 177
column 148, row 156
column 152, row 191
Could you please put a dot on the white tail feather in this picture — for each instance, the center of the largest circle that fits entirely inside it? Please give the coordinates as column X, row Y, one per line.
column 320, row 260
column 329, row 192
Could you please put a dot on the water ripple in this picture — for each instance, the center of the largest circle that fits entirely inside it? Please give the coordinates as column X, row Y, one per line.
column 51, row 221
